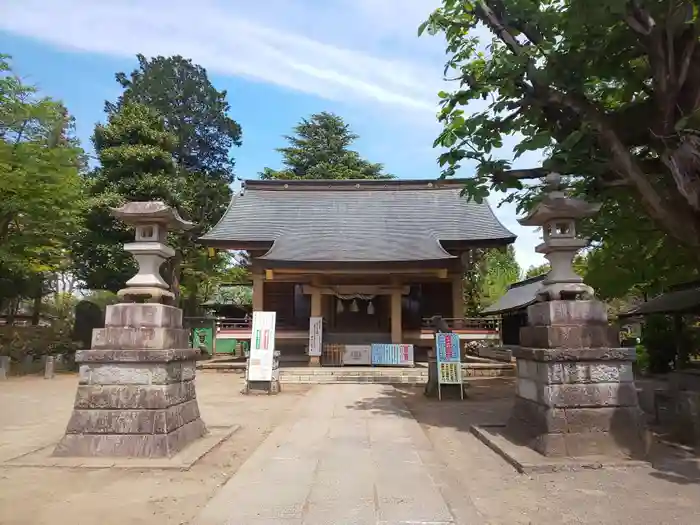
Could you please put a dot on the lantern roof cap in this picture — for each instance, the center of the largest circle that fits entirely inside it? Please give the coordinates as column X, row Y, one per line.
column 136, row 213
column 556, row 205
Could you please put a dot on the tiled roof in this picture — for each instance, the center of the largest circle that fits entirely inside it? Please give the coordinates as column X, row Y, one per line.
column 356, row 221
column 519, row 295
column 682, row 299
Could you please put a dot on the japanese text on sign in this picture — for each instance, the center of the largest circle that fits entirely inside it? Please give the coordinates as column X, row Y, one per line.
column 448, row 359
column 449, row 373
column 262, row 346
column 447, row 348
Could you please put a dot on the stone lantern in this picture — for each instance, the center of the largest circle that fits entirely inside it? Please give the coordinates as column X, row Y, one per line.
column 151, row 221
column 136, row 393
column 575, row 394
column 557, row 215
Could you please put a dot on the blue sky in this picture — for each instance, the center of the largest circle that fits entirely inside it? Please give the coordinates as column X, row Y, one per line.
column 279, row 60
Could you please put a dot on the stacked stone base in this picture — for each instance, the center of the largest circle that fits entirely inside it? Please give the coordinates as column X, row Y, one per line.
column 135, row 399
column 575, row 392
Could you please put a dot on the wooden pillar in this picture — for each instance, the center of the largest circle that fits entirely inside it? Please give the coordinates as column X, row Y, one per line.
column 457, row 297
column 396, row 330
column 316, row 296
column 258, row 283
column 316, row 311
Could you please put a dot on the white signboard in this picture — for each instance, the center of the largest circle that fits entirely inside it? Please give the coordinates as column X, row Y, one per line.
column 357, row 355
column 315, row 336
column 262, row 346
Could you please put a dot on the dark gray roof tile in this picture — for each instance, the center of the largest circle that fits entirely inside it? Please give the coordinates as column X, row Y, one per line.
column 519, row 295
column 356, row 221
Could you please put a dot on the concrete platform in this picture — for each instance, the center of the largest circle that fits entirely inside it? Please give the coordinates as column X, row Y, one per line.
column 183, row 460
column 527, row 461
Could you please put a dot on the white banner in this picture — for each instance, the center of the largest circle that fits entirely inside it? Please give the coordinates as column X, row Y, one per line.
column 262, row 346
column 357, row 355
column 315, row 336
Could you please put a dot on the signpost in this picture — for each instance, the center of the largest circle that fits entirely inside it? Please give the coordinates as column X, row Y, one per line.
column 315, row 336
column 449, row 363
column 262, row 346
column 384, row 354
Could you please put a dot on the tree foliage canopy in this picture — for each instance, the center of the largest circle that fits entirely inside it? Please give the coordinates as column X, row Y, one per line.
column 319, row 149
column 609, row 89
column 40, row 187
column 488, row 278
column 168, row 137
column 134, row 152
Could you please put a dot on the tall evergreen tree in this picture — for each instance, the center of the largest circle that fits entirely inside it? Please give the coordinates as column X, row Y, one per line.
column 135, row 154
column 196, row 114
column 319, row 149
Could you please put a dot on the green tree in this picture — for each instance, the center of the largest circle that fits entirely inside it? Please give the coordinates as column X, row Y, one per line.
column 610, row 90
column 581, row 267
column 319, row 149
column 489, row 277
column 40, row 189
column 195, row 115
column 134, row 151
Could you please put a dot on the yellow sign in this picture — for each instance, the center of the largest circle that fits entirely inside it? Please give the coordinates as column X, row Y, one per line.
column 450, row 373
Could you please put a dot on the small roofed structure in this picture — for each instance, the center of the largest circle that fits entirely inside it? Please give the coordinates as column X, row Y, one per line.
column 680, row 299
column 512, row 308
column 376, row 259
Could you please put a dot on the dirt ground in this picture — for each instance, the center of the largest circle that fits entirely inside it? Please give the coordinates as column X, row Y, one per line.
column 34, row 412
column 664, row 493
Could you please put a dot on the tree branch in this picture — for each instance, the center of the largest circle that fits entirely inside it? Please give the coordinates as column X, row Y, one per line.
column 532, row 173
column 639, row 19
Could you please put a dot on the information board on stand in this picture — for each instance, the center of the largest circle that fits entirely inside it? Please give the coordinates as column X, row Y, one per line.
column 385, row 354
column 262, row 346
column 449, row 362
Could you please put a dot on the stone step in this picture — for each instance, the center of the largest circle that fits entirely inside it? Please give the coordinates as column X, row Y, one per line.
column 378, row 375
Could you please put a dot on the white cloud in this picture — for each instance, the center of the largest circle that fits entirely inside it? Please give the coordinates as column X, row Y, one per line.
column 362, row 52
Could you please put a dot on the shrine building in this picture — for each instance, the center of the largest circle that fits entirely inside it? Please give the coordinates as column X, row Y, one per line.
column 376, row 259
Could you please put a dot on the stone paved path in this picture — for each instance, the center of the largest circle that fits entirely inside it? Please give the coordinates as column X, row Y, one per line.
column 349, row 457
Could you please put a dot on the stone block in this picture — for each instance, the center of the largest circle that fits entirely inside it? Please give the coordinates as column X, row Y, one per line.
column 574, row 354
column 136, row 356
column 603, row 419
column 143, row 315
column 686, row 427
column 136, row 338
column 526, row 368
column 549, row 313
column 569, row 336
column 130, row 397
column 135, row 373
column 130, row 445
column 528, row 389
column 535, row 419
column 4, row 367
column 589, row 395
column 552, row 445
column 584, row 372
column 49, row 367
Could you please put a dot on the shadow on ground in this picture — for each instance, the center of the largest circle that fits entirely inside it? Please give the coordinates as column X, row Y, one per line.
column 488, row 402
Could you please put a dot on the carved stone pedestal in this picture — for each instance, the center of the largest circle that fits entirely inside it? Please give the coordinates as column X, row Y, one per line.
column 575, row 392
column 136, row 396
